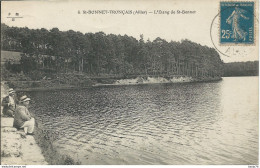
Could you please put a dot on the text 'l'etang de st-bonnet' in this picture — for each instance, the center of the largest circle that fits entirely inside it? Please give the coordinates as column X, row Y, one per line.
column 129, row 82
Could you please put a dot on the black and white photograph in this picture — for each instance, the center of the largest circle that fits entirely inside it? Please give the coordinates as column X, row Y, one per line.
column 138, row 82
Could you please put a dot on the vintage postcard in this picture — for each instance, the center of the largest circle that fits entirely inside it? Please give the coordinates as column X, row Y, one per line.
column 141, row 82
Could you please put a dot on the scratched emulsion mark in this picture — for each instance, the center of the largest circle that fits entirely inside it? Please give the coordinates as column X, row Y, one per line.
column 237, row 23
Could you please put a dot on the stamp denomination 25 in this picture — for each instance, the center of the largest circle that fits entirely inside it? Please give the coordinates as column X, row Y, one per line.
column 237, row 23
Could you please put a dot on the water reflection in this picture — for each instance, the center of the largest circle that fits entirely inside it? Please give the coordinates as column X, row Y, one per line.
column 192, row 123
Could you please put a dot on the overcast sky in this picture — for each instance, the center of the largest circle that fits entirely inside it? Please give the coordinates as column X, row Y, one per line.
column 64, row 15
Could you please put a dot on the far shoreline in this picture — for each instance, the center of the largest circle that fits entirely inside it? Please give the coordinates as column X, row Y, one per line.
column 28, row 88
column 31, row 89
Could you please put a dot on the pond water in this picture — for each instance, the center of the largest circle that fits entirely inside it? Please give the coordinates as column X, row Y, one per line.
column 189, row 123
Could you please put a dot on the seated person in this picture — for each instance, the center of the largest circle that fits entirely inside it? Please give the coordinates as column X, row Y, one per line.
column 22, row 117
column 9, row 103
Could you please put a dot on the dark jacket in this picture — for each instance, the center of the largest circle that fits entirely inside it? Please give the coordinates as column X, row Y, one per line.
column 5, row 102
column 20, row 116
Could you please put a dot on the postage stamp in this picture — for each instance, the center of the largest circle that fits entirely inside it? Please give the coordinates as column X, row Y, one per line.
column 237, row 23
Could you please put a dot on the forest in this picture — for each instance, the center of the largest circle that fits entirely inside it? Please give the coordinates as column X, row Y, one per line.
column 100, row 54
column 249, row 68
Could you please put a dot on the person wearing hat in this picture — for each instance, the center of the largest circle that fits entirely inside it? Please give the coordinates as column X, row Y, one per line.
column 9, row 103
column 22, row 117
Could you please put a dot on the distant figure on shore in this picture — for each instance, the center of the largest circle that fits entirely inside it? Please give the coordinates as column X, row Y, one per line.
column 22, row 117
column 9, row 103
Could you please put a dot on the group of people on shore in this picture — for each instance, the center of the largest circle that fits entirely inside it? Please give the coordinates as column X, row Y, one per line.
column 18, row 109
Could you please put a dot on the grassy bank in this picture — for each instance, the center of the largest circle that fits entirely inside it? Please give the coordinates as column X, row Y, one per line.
column 20, row 81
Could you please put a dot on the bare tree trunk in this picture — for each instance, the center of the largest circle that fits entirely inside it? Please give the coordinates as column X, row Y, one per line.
column 43, row 63
column 79, row 66
column 178, row 67
column 183, row 68
column 82, row 64
column 191, row 71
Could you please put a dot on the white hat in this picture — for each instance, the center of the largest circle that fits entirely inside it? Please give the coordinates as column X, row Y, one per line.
column 11, row 90
column 24, row 98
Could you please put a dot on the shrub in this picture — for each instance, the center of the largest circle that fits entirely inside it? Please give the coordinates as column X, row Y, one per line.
column 35, row 84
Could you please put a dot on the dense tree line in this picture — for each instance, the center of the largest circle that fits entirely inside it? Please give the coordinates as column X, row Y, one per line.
column 101, row 54
column 249, row 68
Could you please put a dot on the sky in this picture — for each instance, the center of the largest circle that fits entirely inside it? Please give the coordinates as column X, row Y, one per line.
column 195, row 27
